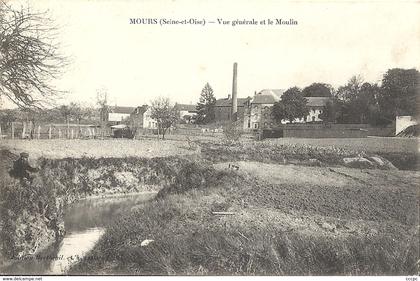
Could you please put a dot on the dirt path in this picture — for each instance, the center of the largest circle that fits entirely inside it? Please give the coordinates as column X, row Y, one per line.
column 338, row 193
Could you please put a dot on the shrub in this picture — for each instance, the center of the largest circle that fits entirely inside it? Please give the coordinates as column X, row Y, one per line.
column 233, row 131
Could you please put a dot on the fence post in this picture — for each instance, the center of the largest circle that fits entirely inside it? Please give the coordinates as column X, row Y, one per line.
column 39, row 131
column 24, row 130
column 59, row 133
column 49, row 132
column 72, row 133
column 13, row 130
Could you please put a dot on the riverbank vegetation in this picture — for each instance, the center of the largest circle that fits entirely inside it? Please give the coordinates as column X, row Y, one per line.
column 32, row 211
column 269, row 228
column 287, row 209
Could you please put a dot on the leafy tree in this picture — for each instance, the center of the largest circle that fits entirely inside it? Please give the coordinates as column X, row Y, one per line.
column 400, row 92
column 350, row 91
column 332, row 111
column 291, row 106
column 8, row 116
column 361, row 106
column 29, row 56
column 76, row 112
column 65, row 112
column 205, row 106
column 357, row 102
column 365, row 106
column 318, row 90
column 164, row 113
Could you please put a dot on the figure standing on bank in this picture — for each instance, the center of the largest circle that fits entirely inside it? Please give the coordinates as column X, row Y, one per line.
column 22, row 169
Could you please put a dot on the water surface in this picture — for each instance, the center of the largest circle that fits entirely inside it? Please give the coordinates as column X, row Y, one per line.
column 85, row 222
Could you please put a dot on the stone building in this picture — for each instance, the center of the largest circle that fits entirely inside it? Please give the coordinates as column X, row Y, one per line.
column 257, row 112
column 140, row 119
column 223, row 108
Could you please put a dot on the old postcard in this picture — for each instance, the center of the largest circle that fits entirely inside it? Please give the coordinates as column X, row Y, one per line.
column 209, row 138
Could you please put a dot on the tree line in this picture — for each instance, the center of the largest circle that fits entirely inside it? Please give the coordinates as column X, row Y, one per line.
column 356, row 102
column 30, row 59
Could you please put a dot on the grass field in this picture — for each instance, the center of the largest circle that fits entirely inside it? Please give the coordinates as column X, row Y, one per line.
column 175, row 145
column 370, row 144
column 61, row 148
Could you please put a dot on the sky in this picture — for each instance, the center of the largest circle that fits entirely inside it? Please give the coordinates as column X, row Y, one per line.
column 136, row 63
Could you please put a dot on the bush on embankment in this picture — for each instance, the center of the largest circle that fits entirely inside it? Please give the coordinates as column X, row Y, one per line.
column 89, row 176
column 31, row 212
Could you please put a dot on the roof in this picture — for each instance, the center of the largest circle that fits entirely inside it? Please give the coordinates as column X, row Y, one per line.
column 268, row 96
column 121, row 109
column 317, row 101
column 120, row 126
column 228, row 102
column 140, row 109
column 185, row 107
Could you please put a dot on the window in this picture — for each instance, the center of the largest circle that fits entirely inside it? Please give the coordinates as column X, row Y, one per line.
column 313, row 118
column 249, row 123
column 255, row 125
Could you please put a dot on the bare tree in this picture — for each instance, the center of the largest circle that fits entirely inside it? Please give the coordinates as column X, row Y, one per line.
column 102, row 102
column 29, row 56
column 164, row 113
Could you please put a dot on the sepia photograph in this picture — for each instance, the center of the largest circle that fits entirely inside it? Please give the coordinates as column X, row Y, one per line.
column 209, row 138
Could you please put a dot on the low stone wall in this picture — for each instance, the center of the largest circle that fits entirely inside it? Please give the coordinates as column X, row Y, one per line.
column 335, row 131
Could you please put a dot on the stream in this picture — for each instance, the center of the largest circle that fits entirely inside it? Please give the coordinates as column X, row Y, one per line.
column 85, row 222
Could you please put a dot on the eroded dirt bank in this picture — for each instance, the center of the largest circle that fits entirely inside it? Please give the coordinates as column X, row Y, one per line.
column 32, row 212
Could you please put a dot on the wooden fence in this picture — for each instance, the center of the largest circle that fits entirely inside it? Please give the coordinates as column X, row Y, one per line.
column 24, row 130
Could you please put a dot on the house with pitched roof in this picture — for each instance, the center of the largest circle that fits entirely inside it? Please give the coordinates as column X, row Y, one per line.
column 223, row 108
column 114, row 115
column 141, row 118
column 186, row 111
column 257, row 114
column 316, row 105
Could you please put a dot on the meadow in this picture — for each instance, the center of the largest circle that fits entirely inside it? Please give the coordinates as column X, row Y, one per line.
column 150, row 146
column 284, row 215
column 95, row 148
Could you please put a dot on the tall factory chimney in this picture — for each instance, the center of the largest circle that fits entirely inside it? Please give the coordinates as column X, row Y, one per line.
column 234, row 93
